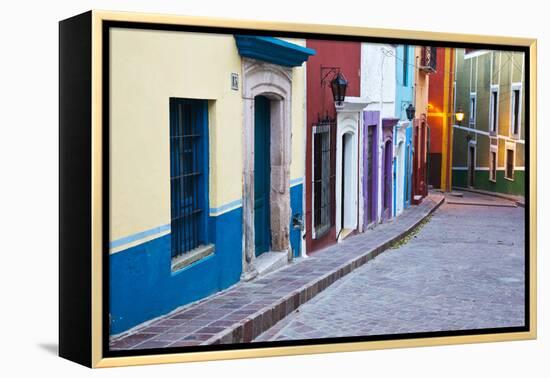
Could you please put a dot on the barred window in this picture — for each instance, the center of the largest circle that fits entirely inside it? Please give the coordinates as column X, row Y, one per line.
column 188, row 174
column 322, row 195
column 509, row 173
column 493, row 166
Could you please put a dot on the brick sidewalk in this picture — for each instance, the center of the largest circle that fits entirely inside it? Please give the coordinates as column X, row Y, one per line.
column 243, row 312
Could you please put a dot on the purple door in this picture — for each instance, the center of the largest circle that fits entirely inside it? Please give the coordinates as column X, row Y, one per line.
column 370, row 164
column 387, row 180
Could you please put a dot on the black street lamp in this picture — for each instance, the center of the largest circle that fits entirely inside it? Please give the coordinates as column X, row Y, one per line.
column 339, row 85
column 410, row 112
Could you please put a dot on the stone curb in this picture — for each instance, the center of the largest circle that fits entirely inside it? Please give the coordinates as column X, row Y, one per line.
column 518, row 202
column 259, row 322
column 451, row 202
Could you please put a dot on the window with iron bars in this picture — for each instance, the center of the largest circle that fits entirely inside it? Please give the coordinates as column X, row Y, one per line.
column 188, row 174
column 322, row 195
column 509, row 169
column 428, row 59
column 493, row 166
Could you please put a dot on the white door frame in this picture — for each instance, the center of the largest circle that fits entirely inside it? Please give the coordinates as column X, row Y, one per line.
column 348, row 122
column 274, row 82
column 400, row 167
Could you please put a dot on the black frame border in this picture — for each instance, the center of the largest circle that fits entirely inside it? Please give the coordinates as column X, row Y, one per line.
column 107, row 25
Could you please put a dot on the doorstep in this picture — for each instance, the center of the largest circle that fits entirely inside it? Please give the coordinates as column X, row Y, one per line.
column 247, row 309
column 269, row 262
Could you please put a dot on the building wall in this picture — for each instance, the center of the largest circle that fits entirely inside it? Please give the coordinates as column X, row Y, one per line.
column 378, row 87
column 320, row 102
column 147, row 68
column 476, row 72
column 378, row 84
column 440, row 118
column 404, row 97
column 421, row 86
column 404, row 90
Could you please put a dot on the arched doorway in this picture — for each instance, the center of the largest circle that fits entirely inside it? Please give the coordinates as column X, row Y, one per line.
column 348, row 219
column 266, row 164
column 346, row 183
column 348, row 123
column 262, row 173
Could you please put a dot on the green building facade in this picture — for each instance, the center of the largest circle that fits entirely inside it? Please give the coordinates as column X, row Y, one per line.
column 489, row 143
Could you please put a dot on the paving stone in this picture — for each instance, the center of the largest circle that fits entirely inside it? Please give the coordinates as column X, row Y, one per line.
column 463, row 270
column 269, row 299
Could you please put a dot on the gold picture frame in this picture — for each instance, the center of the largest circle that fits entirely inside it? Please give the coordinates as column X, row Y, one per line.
column 89, row 329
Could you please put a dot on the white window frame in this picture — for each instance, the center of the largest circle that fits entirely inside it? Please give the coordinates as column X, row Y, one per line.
column 493, row 168
column 494, row 89
column 472, row 114
column 515, row 87
column 509, row 146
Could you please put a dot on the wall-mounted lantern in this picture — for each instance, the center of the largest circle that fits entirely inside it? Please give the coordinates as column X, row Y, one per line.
column 459, row 115
column 338, row 84
column 410, row 112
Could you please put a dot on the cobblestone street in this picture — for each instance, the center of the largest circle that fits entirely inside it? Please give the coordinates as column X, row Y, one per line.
column 464, row 269
column 248, row 309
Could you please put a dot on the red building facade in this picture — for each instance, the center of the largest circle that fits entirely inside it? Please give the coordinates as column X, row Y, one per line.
column 331, row 57
column 440, row 117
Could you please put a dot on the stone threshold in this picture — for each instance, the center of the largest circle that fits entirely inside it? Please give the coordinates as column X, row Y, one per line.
column 246, row 310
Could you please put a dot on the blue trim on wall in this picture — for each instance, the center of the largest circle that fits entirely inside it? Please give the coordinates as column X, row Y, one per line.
column 214, row 211
column 140, row 235
column 142, row 285
column 296, row 181
column 272, row 50
column 296, row 207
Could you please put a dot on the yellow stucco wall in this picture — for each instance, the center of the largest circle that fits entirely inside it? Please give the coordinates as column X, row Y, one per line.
column 421, row 82
column 146, row 69
column 297, row 166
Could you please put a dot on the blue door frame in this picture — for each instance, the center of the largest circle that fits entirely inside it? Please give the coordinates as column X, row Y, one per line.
column 262, row 173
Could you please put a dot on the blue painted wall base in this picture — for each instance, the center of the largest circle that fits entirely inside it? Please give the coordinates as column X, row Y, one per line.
column 143, row 286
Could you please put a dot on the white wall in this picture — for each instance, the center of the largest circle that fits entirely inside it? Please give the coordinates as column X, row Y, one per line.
column 378, row 77
column 378, row 87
